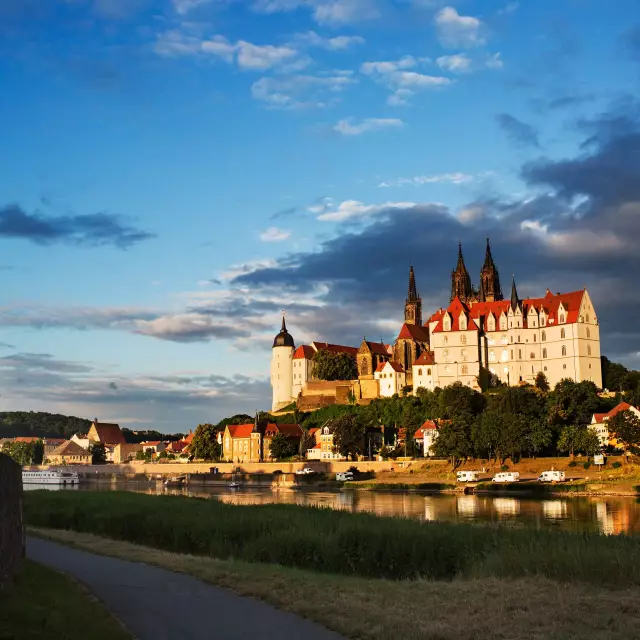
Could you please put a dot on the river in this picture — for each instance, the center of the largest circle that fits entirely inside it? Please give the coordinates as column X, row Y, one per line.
column 608, row 515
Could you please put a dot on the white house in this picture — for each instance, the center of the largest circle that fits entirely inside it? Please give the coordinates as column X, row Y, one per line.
column 424, row 371
column 426, row 437
column 599, row 423
column 155, row 446
column 391, row 378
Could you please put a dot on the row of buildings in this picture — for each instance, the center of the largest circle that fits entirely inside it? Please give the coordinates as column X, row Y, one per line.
column 513, row 339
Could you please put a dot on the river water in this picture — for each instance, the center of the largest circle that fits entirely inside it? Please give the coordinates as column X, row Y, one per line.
column 608, row 515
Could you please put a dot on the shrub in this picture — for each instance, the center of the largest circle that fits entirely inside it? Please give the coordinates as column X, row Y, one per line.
column 586, row 465
column 616, row 465
column 504, row 467
column 573, row 463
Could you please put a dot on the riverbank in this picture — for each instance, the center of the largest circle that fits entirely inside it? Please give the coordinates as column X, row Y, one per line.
column 44, row 603
column 328, row 541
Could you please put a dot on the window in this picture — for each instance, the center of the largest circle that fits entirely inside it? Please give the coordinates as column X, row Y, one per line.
column 587, row 319
column 447, row 324
column 562, row 334
column 532, row 355
column 465, row 369
column 564, row 350
column 463, row 339
column 445, row 355
column 503, row 322
column 518, row 338
column 491, row 325
column 543, row 336
column 512, row 354
column 588, row 332
column 589, row 350
column 419, row 372
column 545, row 368
column 519, row 354
column 544, row 354
column 564, row 366
column 543, row 321
column 562, row 318
column 511, row 339
column 428, row 372
column 463, row 324
column 504, row 340
column 492, row 356
column 446, row 340
column 505, row 355
column 447, row 368
column 463, row 355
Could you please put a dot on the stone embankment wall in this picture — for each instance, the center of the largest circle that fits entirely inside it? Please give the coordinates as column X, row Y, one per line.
column 11, row 527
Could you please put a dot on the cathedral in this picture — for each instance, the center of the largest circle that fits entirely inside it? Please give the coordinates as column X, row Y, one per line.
column 479, row 332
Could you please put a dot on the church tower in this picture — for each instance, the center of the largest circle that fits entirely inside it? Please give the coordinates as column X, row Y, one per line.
column 490, row 289
column 413, row 303
column 460, row 280
column 282, row 368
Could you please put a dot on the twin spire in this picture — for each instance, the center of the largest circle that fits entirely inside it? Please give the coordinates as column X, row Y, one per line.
column 489, row 289
column 413, row 303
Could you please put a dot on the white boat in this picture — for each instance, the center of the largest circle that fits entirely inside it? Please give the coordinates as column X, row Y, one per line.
column 52, row 476
column 234, row 484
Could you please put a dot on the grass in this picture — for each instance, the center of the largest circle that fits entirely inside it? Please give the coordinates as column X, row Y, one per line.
column 366, row 609
column 401, row 486
column 44, row 603
column 337, row 542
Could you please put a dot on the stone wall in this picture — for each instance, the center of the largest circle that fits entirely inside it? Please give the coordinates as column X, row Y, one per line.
column 11, row 528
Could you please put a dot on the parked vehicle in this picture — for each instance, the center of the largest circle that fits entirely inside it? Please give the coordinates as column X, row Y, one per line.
column 467, row 476
column 344, row 476
column 305, row 472
column 552, row 476
column 506, row 476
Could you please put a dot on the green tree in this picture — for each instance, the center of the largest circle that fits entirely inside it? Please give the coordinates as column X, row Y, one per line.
column 541, row 382
column 329, row 365
column 573, row 403
column 204, row 445
column 140, row 455
column 348, row 435
column 625, row 427
column 574, row 438
column 455, row 440
column 37, row 452
column 21, row 452
column 98, row 453
column 283, row 447
column 163, row 455
column 590, row 443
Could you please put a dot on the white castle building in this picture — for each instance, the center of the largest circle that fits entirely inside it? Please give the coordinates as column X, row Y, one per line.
column 515, row 339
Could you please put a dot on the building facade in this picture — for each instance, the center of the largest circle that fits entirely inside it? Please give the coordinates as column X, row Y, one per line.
column 478, row 338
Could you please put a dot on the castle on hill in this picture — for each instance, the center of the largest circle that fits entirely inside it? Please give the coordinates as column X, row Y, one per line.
column 514, row 339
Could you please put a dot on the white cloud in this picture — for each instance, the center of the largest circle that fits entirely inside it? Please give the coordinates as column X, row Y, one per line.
column 338, row 43
column 251, row 56
column 451, row 178
column 402, row 83
column 183, row 7
column 176, row 43
column 494, row 61
column 330, row 12
column 273, row 234
column 349, row 128
column 300, row 91
column 219, row 46
column 350, row 209
column 507, row 9
column 458, row 63
column 455, row 30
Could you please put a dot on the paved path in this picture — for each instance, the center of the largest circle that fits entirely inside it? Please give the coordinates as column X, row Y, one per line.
column 155, row 604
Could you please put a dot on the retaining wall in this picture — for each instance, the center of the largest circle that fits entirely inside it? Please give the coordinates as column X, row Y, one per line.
column 11, row 526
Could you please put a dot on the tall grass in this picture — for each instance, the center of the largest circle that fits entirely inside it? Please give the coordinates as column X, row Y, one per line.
column 338, row 542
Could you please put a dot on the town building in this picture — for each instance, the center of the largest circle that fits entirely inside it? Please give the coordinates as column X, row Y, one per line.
column 252, row 442
column 70, row 453
column 477, row 339
column 426, row 437
column 125, row 452
column 154, row 446
column 391, row 378
column 106, row 433
column 600, row 427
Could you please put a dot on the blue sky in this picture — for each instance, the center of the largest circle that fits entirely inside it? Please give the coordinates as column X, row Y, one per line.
column 175, row 173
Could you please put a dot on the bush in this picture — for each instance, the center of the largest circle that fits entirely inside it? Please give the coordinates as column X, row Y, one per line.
column 586, row 465
column 616, row 465
column 572, row 464
column 504, row 467
column 338, row 542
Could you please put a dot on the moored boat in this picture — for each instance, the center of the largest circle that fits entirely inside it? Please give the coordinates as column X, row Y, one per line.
column 50, row 476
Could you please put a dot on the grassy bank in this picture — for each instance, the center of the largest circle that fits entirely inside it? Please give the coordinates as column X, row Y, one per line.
column 329, row 541
column 369, row 609
column 403, row 487
column 46, row 604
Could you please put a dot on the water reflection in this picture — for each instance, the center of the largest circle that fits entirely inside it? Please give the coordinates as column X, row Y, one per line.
column 607, row 515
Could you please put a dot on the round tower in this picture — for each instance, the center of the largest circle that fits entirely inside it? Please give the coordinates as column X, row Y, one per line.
column 282, row 368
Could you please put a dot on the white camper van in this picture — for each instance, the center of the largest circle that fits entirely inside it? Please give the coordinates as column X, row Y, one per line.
column 467, row 476
column 506, row 476
column 552, row 476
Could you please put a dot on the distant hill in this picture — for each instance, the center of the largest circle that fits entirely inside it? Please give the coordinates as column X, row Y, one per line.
column 40, row 424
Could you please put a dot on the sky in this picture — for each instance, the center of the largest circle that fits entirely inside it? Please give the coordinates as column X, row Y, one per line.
column 175, row 173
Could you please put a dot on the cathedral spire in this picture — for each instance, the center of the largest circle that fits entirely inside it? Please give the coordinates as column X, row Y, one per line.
column 514, row 294
column 413, row 303
column 490, row 278
column 460, row 280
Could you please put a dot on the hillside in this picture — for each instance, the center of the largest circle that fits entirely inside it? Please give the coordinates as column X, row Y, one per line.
column 41, row 424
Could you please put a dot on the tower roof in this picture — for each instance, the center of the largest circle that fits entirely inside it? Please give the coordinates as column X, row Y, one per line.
column 412, row 294
column 488, row 258
column 284, row 338
column 514, row 294
column 460, row 267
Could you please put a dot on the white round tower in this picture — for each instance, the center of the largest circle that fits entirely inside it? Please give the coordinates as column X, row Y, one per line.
column 282, row 368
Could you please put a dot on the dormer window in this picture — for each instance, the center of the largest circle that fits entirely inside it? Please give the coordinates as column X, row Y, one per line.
column 503, row 322
column 562, row 318
column 446, row 324
column 463, row 323
column 543, row 321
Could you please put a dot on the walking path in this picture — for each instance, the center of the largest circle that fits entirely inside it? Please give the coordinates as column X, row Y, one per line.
column 156, row 604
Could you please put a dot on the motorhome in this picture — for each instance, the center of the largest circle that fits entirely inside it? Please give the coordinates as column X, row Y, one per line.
column 51, row 476
column 552, row 476
column 467, row 476
column 506, row 476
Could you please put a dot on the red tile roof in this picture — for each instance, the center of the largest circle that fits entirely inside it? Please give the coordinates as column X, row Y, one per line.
column 426, row 357
column 27, row 439
column 152, row 443
column 70, row 448
column 413, row 332
column 394, row 365
column 435, row 317
column 601, row 417
column 429, row 425
column 304, row 351
column 240, row 430
column 109, row 433
column 377, row 347
column 457, row 309
column 336, row 348
column 176, row 446
column 189, row 438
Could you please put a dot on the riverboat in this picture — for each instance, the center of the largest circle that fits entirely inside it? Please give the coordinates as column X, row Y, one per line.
column 51, row 476
column 175, row 482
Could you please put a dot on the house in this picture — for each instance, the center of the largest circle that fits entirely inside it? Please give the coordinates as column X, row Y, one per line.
column 81, row 440
column 291, row 431
column 426, row 437
column 125, row 452
column 176, row 447
column 599, row 423
column 314, row 449
column 423, row 371
column 70, row 453
column 391, row 378
column 324, row 449
column 50, row 445
column 155, row 446
column 252, row 442
column 105, row 432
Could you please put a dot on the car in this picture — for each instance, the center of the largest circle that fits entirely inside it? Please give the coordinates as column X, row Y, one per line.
column 344, row 476
column 305, row 472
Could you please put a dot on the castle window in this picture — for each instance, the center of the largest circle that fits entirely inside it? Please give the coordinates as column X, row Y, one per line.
column 519, row 354
column 588, row 333
column 587, row 317
column 445, row 355
column 463, row 339
column 463, row 355
column 534, row 337
column 503, row 322
column 562, row 334
column 419, row 372
column 465, row 369
column 589, row 350
column 446, row 324
column 446, row 368
column 544, row 354
column 564, row 350
column 463, row 324
column 543, row 336
column 492, row 356
column 428, row 372
column 543, row 321
column 446, row 340
column 512, row 354
column 562, row 318
column 545, row 368
column 564, row 366
column 518, row 338
column 532, row 355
